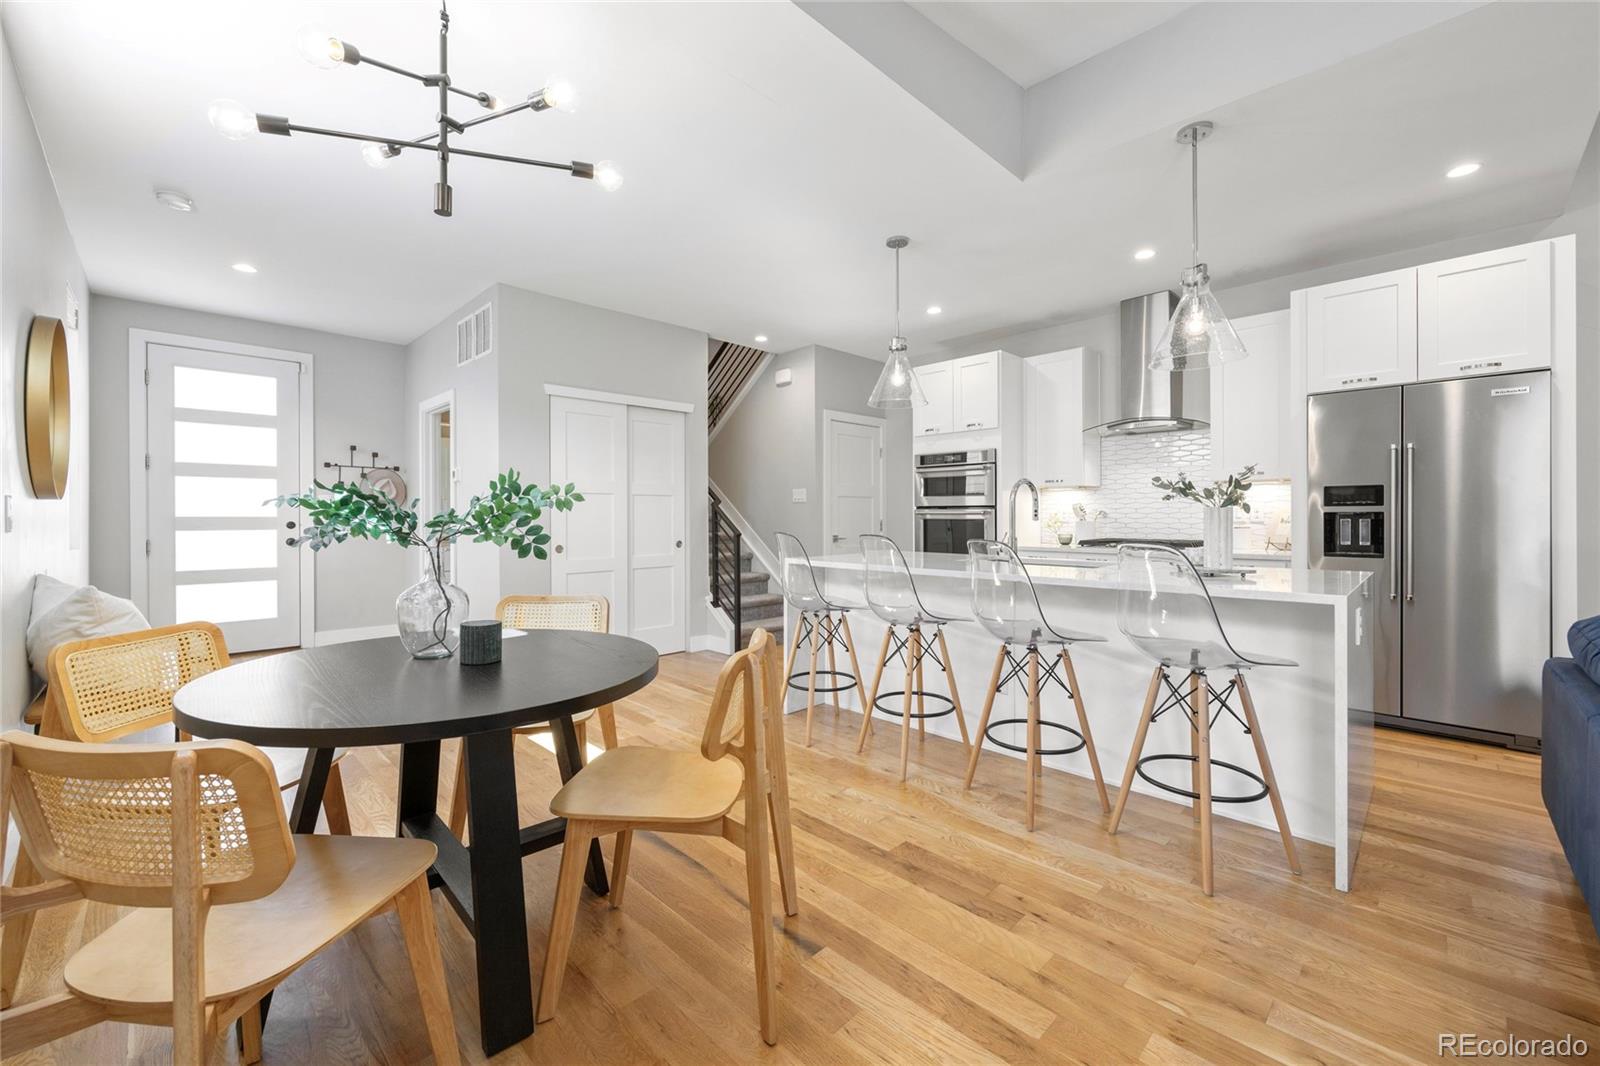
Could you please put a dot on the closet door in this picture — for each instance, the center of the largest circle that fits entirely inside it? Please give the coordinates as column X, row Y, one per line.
column 657, row 561
column 589, row 544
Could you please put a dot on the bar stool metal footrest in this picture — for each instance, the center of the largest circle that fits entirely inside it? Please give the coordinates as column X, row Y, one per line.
column 899, row 712
column 1021, row 749
column 1138, row 768
column 799, row 680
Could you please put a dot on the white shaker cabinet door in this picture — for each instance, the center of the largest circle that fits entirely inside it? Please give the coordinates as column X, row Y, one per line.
column 1061, row 399
column 1251, row 419
column 1485, row 314
column 977, row 392
column 938, row 416
column 1362, row 333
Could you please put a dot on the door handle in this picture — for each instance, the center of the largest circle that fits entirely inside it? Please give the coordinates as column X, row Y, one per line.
column 679, row 544
column 289, row 524
column 289, row 541
column 1394, row 484
column 837, row 537
column 1411, row 455
column 559, row 549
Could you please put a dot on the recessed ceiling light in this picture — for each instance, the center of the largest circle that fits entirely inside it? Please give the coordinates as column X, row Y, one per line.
column 244, row 268
column 1144, row 253
column 174, row 199
column 935, row 310
column 761, row 338
column 1461, row 170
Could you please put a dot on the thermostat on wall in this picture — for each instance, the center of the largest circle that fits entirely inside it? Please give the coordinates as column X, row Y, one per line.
column 783, row 377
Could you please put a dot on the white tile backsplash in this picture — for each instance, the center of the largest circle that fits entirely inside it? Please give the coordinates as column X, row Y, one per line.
column 1134, row 506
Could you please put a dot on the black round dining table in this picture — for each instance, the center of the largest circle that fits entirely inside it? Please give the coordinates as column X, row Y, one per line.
column 371, row 692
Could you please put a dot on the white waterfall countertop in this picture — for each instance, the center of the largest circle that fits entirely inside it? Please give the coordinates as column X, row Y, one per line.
column 1283, row 584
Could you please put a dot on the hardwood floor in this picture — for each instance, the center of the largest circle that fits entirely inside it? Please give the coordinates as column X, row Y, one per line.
column 933, row 929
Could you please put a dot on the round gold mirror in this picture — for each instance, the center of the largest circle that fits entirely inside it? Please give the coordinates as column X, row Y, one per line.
column 47, row 408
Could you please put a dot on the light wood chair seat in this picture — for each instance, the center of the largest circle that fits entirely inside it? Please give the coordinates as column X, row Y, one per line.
column 651, row 784
column 336, row 882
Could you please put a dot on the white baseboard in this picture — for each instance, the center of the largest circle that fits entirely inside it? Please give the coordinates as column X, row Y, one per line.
column 709, row 642
column 345, row 636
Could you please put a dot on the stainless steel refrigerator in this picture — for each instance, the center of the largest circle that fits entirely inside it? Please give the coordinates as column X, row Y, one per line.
column 1443, row 490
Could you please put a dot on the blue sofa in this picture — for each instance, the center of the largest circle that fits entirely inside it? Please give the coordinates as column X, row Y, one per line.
column 1571, row 756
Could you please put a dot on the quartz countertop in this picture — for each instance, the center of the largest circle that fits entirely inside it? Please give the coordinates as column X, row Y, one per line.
column 1043, row 550
column 1284, row 584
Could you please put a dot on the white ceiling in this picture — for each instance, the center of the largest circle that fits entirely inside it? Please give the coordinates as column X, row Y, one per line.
column 1031, row 41
column 766, row 161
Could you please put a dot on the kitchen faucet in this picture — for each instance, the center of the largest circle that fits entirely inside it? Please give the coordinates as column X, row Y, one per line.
column 1011, row 508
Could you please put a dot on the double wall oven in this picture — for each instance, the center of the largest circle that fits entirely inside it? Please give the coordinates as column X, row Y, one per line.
column 956, row 493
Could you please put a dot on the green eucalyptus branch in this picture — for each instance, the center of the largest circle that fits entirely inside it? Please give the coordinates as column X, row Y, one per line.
column 1229, row 492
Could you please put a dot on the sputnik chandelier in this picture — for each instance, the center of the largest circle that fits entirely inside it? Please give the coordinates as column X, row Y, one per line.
column 321, row 49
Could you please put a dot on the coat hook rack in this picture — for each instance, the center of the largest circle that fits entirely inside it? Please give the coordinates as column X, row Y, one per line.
column 361, row 469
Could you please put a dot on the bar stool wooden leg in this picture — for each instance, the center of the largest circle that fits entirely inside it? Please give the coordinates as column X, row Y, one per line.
column 1136, row 750
column 922, row 723
column 983, row 719
column 811, row 682
column 855, row 667
column 955, row 695
column 1266, row 772
column 833, row 666
column 1195, row 681
column 905, row 713
column 1200, row 694
column 1033, row 734
column 1083, row 724
column 872, row 694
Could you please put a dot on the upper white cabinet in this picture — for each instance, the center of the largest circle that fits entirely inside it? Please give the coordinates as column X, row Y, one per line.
column 1251, row 416
column 939, row 415
column 1480, row 314
column 977, row 392
column 1485, row 314
column 1362, row 333
column 1061, row 399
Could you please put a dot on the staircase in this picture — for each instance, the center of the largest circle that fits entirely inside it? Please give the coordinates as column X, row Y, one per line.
column 737, row 587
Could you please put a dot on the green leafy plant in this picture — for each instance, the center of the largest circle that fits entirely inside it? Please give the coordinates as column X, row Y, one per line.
column 1229, row 492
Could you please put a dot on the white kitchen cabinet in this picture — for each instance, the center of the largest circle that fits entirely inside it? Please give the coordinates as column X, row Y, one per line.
column 976, row 384
column 1251, row 417
column 1362, row 333
column 1061, row 399
column 939, row 414
column 1486, row 313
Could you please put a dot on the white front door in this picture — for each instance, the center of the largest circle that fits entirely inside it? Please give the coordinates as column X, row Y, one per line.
column 657, row 562
column 223, row 438
column 852, row 480
column 625, row 541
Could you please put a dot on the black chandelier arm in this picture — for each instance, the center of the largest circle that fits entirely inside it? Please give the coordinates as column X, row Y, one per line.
column 575, row 168
column 283, row 127
column 471, row 122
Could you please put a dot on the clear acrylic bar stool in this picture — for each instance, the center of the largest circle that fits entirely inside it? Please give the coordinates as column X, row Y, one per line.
column 1007, row 605
column 824, row 624
column 892, row 596
column 1165, row 609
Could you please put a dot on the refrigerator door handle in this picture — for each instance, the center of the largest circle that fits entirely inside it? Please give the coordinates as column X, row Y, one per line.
column 1411, row 455
column 1394, row 485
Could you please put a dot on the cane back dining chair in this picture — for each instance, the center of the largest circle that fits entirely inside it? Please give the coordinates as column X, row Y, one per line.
column 120, row 688
column 1006, row 603
column 226, row 903
column 590, row 614
column 823, row 622
column 892, row 596
column 1165, row 609
column 740, row 763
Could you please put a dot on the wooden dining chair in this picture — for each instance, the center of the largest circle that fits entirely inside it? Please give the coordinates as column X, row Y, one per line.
column 666, row 791
column 590, row 614
column 111, row 688
column 227, row 903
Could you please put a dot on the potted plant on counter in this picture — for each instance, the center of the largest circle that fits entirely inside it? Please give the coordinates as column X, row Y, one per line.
column 1219, row 499
column 430, row 612
column 1087, row 517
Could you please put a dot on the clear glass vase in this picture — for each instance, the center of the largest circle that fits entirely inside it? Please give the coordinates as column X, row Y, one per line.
column 429, row 615
column 1218, row 551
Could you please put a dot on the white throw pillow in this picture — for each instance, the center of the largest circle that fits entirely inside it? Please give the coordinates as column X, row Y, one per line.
column 79, row 614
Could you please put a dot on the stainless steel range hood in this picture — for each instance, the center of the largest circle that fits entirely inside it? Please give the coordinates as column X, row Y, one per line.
column 1138, row 399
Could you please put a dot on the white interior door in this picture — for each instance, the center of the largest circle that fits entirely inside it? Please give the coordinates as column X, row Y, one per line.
column 223, row 437
column 852, row 480
column 589, row 544
column 657, row 562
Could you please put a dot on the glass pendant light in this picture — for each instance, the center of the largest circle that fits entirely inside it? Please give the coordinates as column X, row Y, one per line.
column 897, row 387
column 1199, row 335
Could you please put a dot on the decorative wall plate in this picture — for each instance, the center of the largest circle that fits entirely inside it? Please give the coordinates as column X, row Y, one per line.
column 47, row 408
column 386, row 482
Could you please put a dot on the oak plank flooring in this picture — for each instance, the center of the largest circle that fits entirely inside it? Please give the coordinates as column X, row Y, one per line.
column 934, row 929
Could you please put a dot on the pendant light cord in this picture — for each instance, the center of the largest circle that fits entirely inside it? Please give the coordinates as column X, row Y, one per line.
column 897, row 292
column 1194, row 195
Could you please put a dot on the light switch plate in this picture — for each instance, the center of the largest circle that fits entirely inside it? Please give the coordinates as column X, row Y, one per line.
column 798, row 496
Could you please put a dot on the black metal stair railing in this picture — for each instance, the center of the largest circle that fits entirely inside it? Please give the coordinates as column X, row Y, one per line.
column 727, row 584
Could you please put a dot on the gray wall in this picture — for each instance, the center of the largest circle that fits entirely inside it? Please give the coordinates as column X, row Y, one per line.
column 357, row 396
column 755, row 461
column 38, row 264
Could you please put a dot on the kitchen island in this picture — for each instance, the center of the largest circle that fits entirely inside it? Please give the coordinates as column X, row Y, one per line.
column 1316, row 717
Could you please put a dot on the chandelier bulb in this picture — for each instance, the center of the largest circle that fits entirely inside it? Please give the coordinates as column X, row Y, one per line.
column 607, row 174
column 558, row 94
column 231, row 119
column 379, row 155
column 319, row 47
